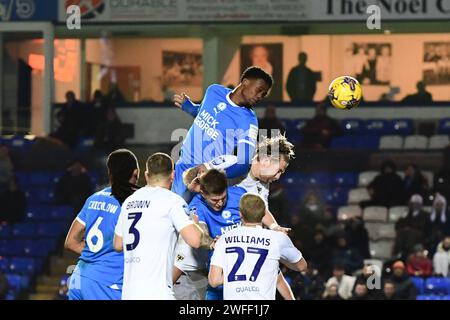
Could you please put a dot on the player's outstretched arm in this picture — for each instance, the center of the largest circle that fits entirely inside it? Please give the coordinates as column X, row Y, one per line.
column 183, row 102
column 270, row 222
column 298, row 266
column 75, row 237
column 284, row 288
column 215, row 276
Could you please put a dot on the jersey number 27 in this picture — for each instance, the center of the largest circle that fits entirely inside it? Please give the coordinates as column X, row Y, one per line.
column 241, row 257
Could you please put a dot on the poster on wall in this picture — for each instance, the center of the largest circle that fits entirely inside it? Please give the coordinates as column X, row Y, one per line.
column 181, row 69
column 370, row 63
column 436, row 63
column 268, row 57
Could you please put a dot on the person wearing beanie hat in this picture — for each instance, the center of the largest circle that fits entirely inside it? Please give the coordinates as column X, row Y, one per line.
column 405, row 288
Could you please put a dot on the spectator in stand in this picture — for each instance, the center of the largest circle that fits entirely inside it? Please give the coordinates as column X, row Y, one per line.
column 417, row 218
column 97, row 112
column 418, row 264
column 319, row 131
column 319, row 252
column 414, row 182
column 441, row 259
column 345, row 255
column 74, row 187
column 361, row 292
column 332, row 293
column 312, row 210
column 63, row 290
column 358, row 236
column 309, row 284
column 442, row 178
column 271, row 121
column 4, row 286
column 389, row 292
column 386, row 189
column 369, row 277
column 405, row 288
column 6, row 168
column 343, row 282
column 422, row 96
column 72, row 121
column 14, row 203
column 110, row 134
column 301, row 81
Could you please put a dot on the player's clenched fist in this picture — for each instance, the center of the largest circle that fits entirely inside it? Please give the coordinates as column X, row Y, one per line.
column 179, row 99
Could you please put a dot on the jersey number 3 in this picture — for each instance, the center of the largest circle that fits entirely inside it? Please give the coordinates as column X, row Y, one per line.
column 241, row 256
column 135, row 217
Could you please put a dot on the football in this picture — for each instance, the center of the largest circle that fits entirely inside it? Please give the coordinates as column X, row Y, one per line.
column 345, row 92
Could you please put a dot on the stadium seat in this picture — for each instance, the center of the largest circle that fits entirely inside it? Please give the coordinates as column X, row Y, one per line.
column 396, row 213
column 23, row 178
column 402, row 127
column 415, row 142
column 61, row 213
column 366, row 177
column 419, row 283
column 437, row 285
column 381, row 249
column 17, row 282
column 345, row 142
column 372, row 230
column 348, row 212
column 337, row 196
column 24, row 266
column 375, row 214
column 345, row 179
column 51, row 229
column 39, row 248
column 4, row 264
column 444, row 126
column 380, row 231
column 5, row 231
column 428, row 297
column 438, row 142
column 391, row 142
column 24, row 230
column 319, row 179
column 40, row 178
column 446, row 297
column 355, row 196
column 85, row 142
column 38, row 213
column 353, row 126
column 368, row 142
column 377, row 127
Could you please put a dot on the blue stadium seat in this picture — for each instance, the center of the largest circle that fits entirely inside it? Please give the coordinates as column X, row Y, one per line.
column 368, row 142
column 319, row 179
column 446, row 297
column 85, row 143
column 437, row 285
column 345, row 142
column 23, row 178
column 17, row 282
column 10, row 296
column 23, row 266
column 346, row 179
column 419, row 283
column 15, row 248
column 353, row 126
column 402, row 127
column 337, row 196
column 61, row 213
column 4, row 264
column 38, row 213
column 5, row 231
column 428, row 297
column 40, row 178
column 39, row 248
column 377, row 127
column 294, row 179
column 18, row 142
column 444, row 126
column 24, row 230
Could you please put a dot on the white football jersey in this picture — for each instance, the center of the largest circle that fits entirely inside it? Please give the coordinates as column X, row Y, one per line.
column 249, row 257
column 149, row 223
column 252, row 185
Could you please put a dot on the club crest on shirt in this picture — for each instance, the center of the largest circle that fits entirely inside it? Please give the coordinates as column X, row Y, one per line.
column 180, row 257
column 186, row 209
column 259, row 189
column 192, row 210
column 220, row 107
column 226, row 214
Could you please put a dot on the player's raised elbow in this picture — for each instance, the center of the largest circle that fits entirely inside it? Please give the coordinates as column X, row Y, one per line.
column 215, row 277
column 302, row 265
column 192, row 234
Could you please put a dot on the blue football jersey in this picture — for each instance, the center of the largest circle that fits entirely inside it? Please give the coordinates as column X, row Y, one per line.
column 218, row 128
column 99, row 261
column 219, row 222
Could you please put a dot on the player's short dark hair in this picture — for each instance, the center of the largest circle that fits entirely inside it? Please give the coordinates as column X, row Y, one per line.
column 213, row 182
column 252, row 208
column 257, row 73
column 121, row 164
column 278, row 144
column 159, row 164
